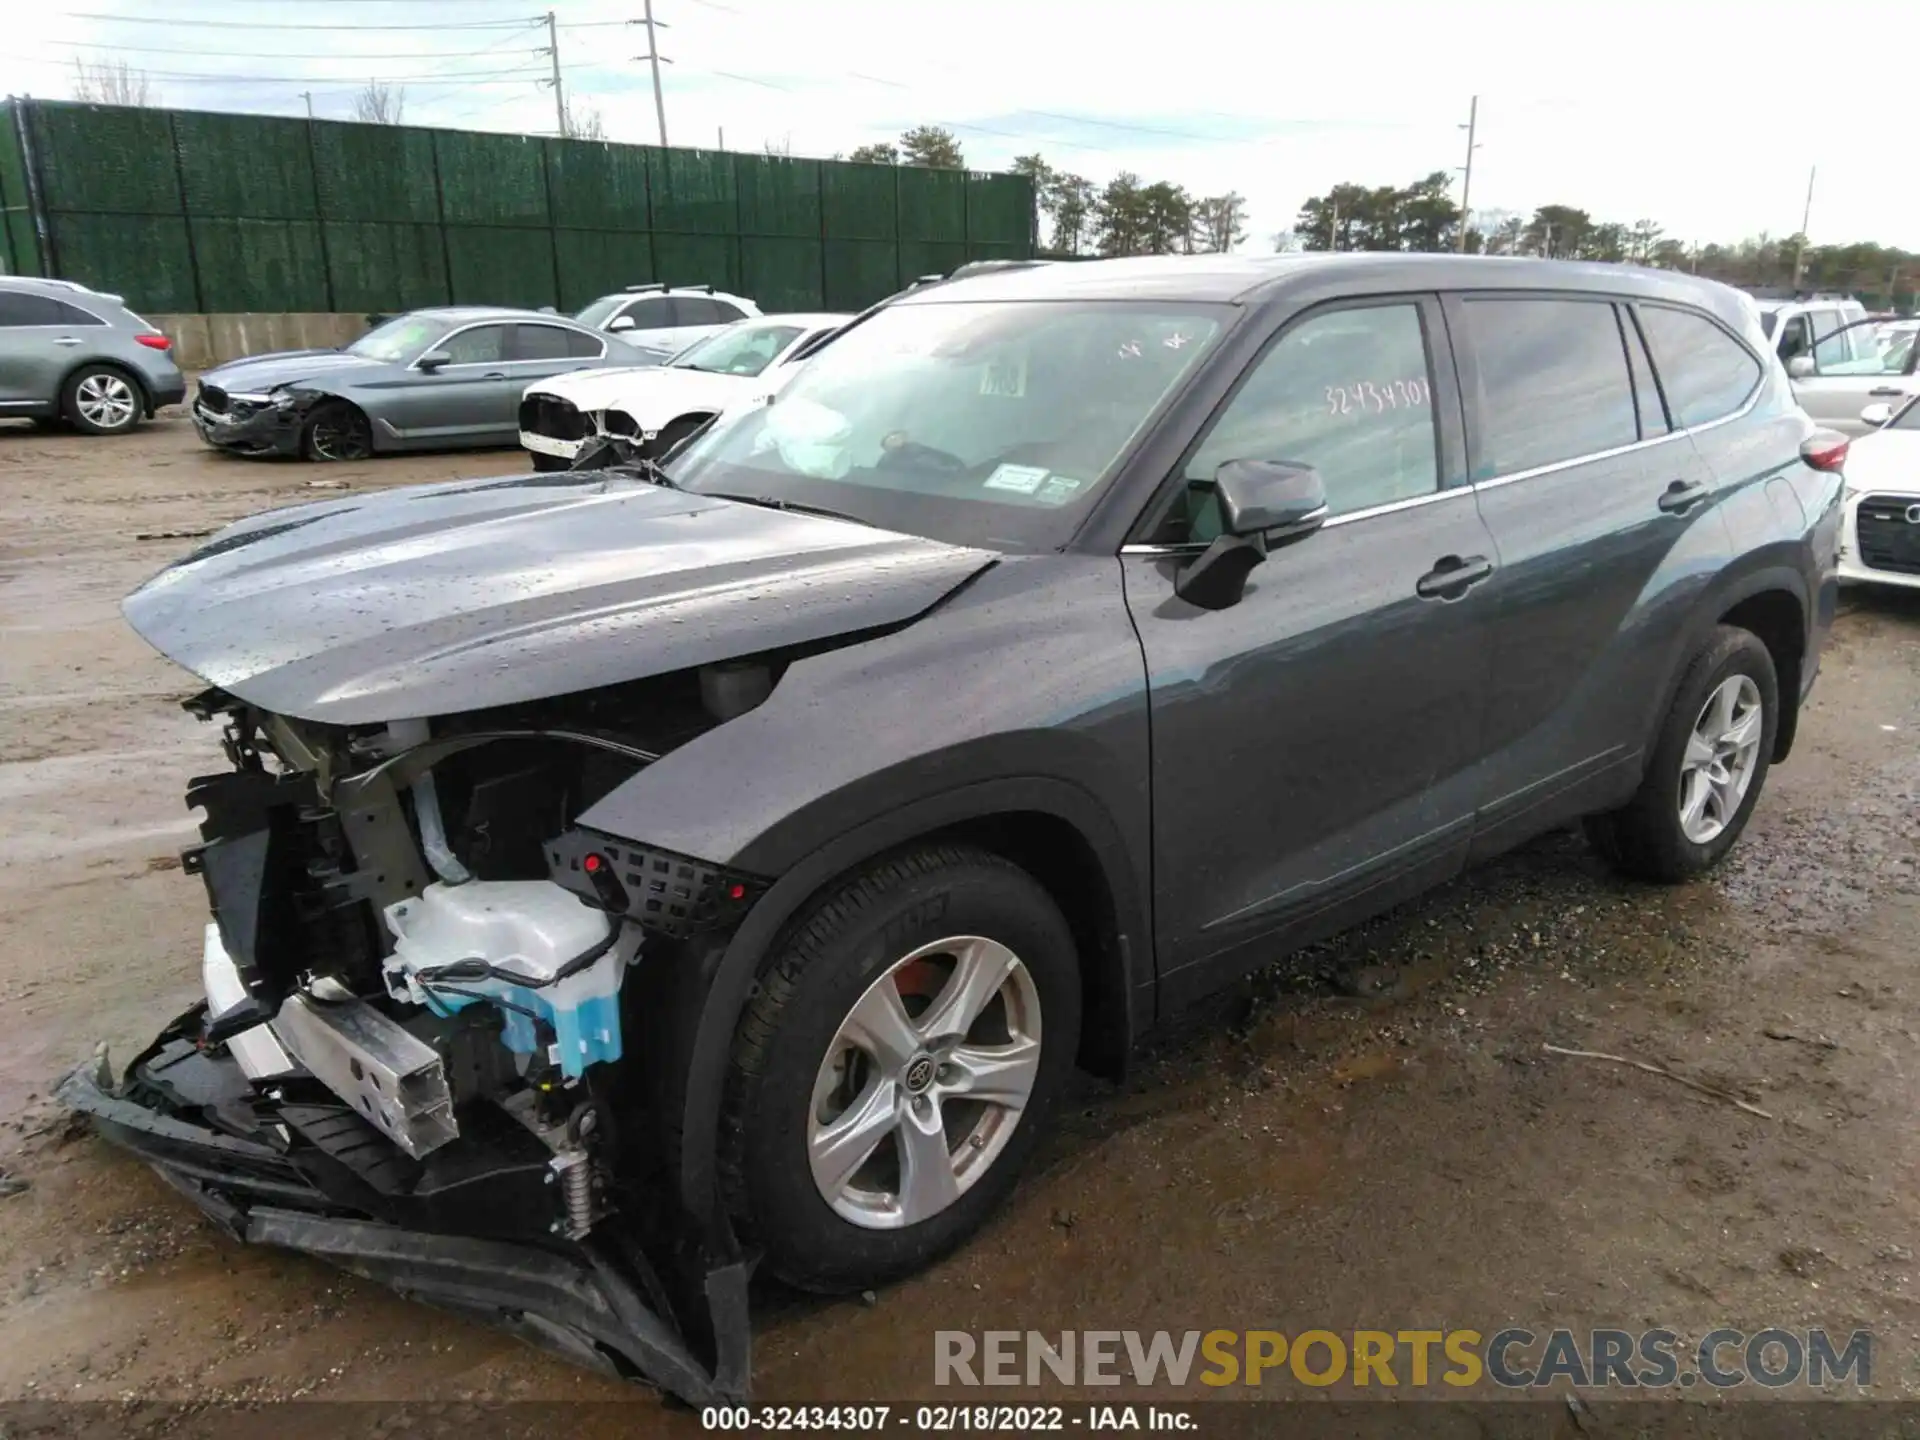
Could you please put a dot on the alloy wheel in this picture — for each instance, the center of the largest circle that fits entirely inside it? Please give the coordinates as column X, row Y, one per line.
column 339, row 435
column 1721, row 756
column 925, row 1082
column 106, row 401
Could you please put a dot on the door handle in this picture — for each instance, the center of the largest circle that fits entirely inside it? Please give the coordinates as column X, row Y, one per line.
column 494, row 375
column 1681, row 496
column 67, row 340
column 1452, row 576
column 1886, row 392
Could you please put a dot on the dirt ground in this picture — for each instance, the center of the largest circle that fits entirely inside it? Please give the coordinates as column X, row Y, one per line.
column 1376, row 1141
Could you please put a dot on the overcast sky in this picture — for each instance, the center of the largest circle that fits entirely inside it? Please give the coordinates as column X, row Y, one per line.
column 1703, row 115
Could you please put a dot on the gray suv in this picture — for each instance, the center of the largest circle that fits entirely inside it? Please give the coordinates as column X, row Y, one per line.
column 624, row 873
column 74, row 354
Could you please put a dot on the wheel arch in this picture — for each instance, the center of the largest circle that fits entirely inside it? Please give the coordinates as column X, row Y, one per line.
column 1052, row 828
column 1769, row 599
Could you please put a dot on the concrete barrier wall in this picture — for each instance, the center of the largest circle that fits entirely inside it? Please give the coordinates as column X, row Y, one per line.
column 202, row 341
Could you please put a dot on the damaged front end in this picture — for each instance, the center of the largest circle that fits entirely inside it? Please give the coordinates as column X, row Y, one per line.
column 250, row 424
column 416, row 1054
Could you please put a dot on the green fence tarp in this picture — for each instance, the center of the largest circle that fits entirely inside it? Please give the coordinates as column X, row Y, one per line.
column 185, row 210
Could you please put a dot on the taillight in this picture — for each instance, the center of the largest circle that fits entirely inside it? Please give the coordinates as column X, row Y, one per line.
column 155, row 342
column 1825, row 450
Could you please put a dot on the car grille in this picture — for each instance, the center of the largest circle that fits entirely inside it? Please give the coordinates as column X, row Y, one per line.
column 552, row 416
column 1888, row 540
column 213, row 398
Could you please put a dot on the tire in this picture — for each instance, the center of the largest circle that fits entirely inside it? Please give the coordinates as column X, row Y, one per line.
column 336, row 430
column 545, row 464
column 102, row 400
column 1650, row 838
column 790, row 1074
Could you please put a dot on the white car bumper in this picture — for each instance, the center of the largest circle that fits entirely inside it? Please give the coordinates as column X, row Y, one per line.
column 548, row 445
column 1891, row 555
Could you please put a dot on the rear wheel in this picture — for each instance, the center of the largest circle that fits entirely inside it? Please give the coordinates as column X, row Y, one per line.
column 898, row 1065
column 1708, row 766
column 337, row 431
column 102, row 400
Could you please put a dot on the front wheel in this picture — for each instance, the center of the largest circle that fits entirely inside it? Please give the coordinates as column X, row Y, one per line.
column 337, row 431
column 545, row 464
column 897, row 1066
column 1707, row 769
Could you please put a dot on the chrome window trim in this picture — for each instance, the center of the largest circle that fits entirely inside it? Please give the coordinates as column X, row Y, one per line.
column 1391, row 507
column 1495, row 481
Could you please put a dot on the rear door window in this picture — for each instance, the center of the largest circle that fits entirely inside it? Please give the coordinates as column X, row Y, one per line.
column 539, row 342
column 1705, row 372
column 1554, row 384
column 698, row 310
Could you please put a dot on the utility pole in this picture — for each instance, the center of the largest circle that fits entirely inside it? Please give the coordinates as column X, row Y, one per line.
column 1333, row 226
column 1466, row 184
column 653, row 58
column 559, row 97
column 1806, row 219
column 723, row 138
column 307, row 95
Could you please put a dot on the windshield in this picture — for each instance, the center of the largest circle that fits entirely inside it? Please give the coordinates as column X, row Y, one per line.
column 1906, row 415
column 398, row 340
column 737, row 350
column 978, row 423
column 596, row 314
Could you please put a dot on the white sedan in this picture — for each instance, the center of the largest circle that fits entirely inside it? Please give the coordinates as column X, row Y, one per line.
column 1881, row 541
column 660, row 405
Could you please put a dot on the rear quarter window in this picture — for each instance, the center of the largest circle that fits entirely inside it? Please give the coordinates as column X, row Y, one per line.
column 1554, row 384
column 1705, row 372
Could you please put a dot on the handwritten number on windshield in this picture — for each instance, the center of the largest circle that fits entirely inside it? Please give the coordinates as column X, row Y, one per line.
column 1368, row 397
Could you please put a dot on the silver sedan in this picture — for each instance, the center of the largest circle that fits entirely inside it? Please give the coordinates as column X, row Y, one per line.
column 427, row 380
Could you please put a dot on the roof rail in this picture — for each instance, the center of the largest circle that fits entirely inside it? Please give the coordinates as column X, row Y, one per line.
column 639, row 289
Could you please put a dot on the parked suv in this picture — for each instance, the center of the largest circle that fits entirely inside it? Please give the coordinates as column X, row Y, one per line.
column 666, row 317
column 74, row 354
column 624, row 873
column 1839, row 358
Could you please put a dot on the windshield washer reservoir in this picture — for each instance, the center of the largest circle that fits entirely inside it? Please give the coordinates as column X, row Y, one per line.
column 530, row 928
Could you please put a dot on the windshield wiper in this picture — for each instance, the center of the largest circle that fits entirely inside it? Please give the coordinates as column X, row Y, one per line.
column 768, row 502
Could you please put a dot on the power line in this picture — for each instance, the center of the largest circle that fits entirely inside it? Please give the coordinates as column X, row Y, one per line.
column 268, row 54
column 239, row 77
column 250, row 25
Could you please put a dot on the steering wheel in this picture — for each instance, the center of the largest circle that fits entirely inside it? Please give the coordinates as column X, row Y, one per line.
column 897, row 452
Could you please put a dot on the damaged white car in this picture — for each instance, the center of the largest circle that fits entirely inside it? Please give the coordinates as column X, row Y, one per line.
column 653, row 409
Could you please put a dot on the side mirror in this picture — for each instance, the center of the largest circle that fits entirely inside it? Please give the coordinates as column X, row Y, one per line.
column 1800, row 367
column 1876, row 414
column 1274, row 498
column 620, row 322
column 1262, row 503
column 433, row 360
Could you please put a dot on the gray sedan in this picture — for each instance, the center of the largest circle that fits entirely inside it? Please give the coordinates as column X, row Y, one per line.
column 428, row 380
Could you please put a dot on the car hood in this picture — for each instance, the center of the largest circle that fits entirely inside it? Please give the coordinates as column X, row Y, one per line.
column 257, row 374
column 650, row 394
column 1885, row 460
column 446, row 598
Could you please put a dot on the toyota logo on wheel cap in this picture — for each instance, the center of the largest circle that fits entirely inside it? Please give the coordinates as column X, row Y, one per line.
column 920, row 1075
